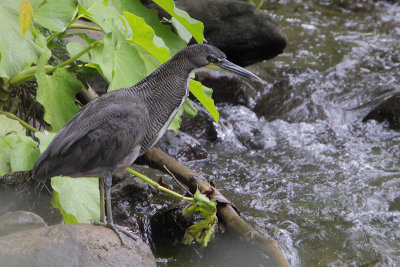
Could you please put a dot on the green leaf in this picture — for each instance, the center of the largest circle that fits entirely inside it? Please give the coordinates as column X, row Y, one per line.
column 181, row 30
column 17, row 53
column 129, row 67
column 44, row 139
column 144, row 36
column 200, row 91
column 194, row 26
column 54, row 15
column 24, row 154
column 57, row 92
column 6, row 146
column 76, row 47
column 203, row 230
column 103, row 56
column 150, row 62
column 25, row 16
column 175, row 124
column 189, row 108
column 77, row 198
column 57, row 95
column 172, row 41
column 101, row 13
column 18, row 152
column 8, row 125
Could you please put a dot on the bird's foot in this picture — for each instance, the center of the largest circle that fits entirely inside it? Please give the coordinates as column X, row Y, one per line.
column 117, row 229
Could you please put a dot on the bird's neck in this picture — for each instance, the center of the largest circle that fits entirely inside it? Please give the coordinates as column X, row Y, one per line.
column 164, row 92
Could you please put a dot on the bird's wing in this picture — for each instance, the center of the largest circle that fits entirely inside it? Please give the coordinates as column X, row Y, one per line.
column 93, row 116
column 99, row 117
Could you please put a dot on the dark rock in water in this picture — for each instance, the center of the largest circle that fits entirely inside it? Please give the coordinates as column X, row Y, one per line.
column 284, row 103
column 72, row 245
column 229, row 88
column 388, row 110
column 11, row 222
column 168, row 228
column 127, row 196
column 245, row 34
column 182, row 146
column 200, row 127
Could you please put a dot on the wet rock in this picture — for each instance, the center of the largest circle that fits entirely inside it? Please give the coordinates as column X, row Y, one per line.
column 201, row 127
column 182, row 146
column 229, row 88
column 11, row 222
column 128, row 196
column 285, row 103
column 72, row 245
column 388, row 110
column 168, row 227
column 245, row 34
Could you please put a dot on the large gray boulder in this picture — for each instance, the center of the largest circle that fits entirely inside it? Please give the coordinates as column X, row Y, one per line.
column 70, row 245
column 245, row 34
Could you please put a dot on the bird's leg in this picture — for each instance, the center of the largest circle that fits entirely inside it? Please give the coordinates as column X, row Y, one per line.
column 101, row 189
column 110, row 222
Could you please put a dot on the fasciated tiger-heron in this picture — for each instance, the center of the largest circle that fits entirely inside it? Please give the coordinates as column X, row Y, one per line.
column 110, row 132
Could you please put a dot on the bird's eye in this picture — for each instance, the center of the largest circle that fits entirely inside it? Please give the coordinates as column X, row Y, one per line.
column 213, row 59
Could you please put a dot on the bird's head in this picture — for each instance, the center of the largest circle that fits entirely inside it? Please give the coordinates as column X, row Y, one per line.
column 209, row 56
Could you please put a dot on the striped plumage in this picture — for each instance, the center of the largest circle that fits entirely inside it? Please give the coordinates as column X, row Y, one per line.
column 109, row 133
column 102, row 137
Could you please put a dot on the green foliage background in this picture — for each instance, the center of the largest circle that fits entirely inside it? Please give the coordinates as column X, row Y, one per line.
column 135, row 43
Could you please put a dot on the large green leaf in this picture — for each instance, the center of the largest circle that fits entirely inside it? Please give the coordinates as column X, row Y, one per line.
column 57, row 92
column 57, row 95
column 194, row 26
column 8, row 126
column 143, row 35
column 197, row 89
column 181, row 30
column 44, row 139
column 6, row 145
column 77, row 198
column 76, row 47
column 172, row 41
column 17, row 53
column 24, row 154
column 103, row 56
column 18, row 152
column 129, row 67
column 54, row 15
column 101, row 13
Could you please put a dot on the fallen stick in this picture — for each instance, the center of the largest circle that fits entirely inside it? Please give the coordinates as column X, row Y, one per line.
column 227, row 214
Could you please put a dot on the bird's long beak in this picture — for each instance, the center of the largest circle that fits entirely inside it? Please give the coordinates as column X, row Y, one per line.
column 229, row 66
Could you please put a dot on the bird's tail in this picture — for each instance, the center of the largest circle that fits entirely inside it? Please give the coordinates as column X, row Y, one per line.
column 45, row 168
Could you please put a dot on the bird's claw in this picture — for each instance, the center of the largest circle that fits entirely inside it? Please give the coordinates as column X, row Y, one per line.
column 117, row 229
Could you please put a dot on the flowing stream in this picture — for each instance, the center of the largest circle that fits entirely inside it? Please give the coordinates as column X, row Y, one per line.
column 326, row 186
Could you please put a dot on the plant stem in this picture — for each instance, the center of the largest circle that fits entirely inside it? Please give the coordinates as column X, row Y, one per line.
column 72, row 59
column 29, row 73
column 85, row 26
column 156, row 185
column 24, row 124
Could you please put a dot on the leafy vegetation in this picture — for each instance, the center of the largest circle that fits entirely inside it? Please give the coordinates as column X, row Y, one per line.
column 203, row 230
column 35, row 46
